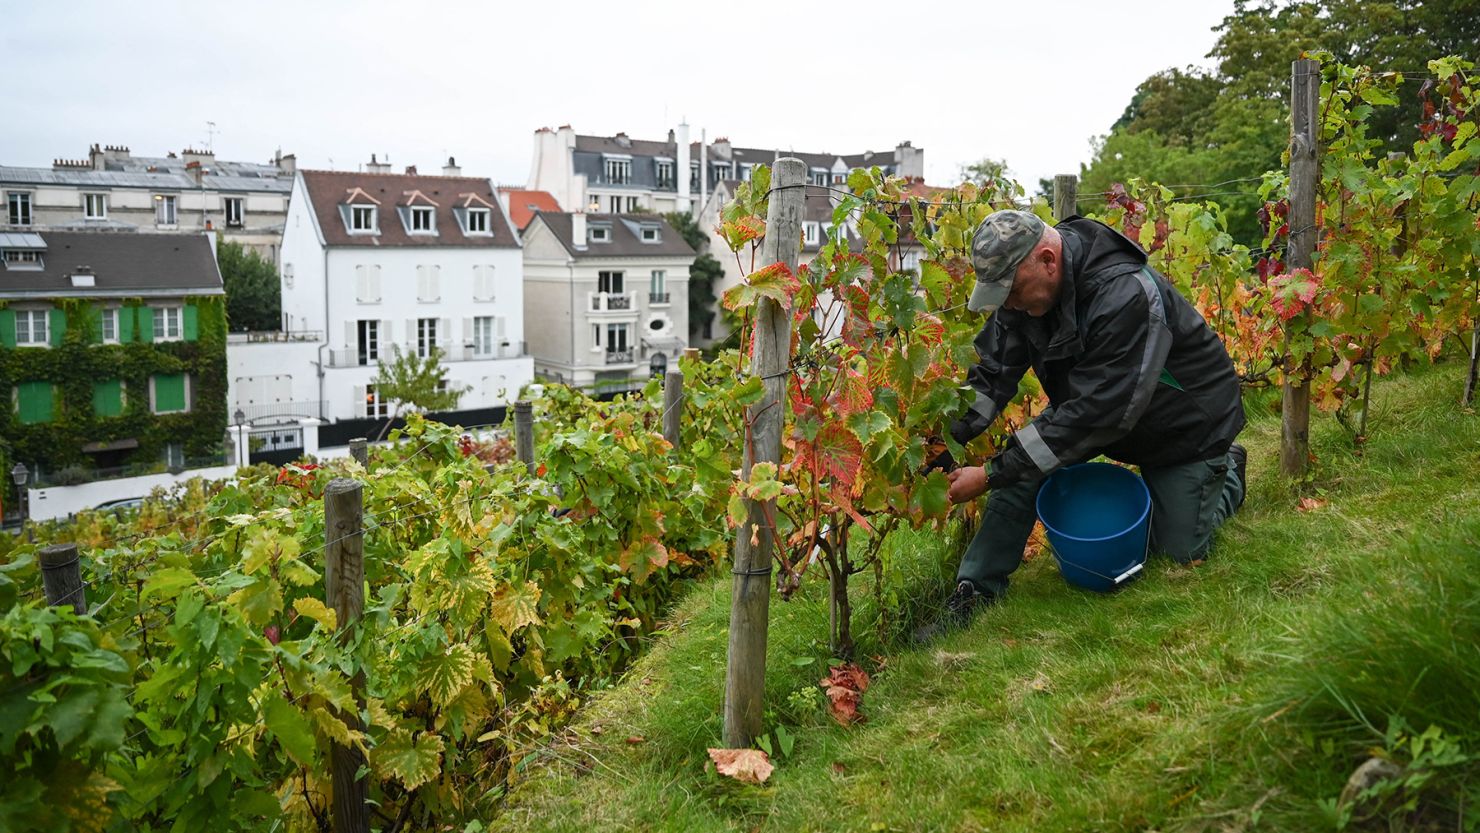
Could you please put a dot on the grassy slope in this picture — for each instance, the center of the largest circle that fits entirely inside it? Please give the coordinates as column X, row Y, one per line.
column 1158, row 707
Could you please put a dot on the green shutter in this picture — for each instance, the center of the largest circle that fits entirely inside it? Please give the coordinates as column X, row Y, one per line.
column 33, row 402
column 7, row 327
column 169, row 393
column 190, row 327
column 95, row 324
column 146, row 324
column 108, row 398
column 58, row 326
column 126, row 324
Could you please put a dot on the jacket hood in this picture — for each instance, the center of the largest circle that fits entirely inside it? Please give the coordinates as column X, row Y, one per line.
column 1096, row 248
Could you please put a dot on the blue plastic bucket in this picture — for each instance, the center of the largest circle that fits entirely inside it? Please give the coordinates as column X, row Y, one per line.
column 1097, row 517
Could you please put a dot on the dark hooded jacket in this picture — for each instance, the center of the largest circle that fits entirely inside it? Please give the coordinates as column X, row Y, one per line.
column 1131, row 370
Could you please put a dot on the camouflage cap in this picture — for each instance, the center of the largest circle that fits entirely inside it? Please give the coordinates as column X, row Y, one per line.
column 999, row 246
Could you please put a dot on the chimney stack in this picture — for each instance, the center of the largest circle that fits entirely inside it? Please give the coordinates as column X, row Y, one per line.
column 684, row 203
column 377, row 167
column 411, row 170
column 288, row 164
column 578, row 229
column 451, row 168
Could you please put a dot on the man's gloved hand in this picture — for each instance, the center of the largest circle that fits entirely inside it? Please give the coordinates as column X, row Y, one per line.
column 966, row 483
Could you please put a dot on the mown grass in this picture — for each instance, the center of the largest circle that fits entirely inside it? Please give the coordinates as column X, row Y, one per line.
column 1234, row 696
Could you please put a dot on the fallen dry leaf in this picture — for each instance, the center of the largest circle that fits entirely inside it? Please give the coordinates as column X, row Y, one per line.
column 1307, row 504
column 845, row 685
column 748, row 766
column 837, row 767
column 636, row 739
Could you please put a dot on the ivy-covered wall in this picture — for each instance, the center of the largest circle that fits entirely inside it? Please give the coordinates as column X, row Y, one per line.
column 78, row 359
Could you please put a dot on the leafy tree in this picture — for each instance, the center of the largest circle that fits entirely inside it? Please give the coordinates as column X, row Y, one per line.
column 414, row 382
column 703, row 273
column 985, row 171
column 253, row 297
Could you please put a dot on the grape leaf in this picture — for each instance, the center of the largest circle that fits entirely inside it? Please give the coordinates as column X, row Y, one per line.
column 413, row 763
column 748, row 766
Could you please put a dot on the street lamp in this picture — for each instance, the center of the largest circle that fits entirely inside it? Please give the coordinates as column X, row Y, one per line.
column 19, row 474
column 240, row 417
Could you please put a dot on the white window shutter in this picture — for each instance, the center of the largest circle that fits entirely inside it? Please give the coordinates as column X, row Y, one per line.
column 361, row 408
column 444, row 335
column 498, row 324
column 469, row 336
column 385, row 339
column 361, row 285
column 375, row 284
column 411, row 333
column 351, row 337
column 421, row 283
column 434, row 282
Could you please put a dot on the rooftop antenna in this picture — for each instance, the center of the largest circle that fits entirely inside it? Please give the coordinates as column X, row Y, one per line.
column 210, row 137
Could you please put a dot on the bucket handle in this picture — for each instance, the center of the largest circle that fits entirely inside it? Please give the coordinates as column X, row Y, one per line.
column 1128, row 573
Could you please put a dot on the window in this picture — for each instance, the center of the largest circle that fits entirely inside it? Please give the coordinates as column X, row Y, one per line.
column 421, row 219
column 718, row 171
column 362, row 218
column 426, row 336
column 615, row 204
column 287, row 276
column 169, row 393
column 95, row 206
column 633, row 205
column 658, row 287
column 483, row 283
column 745, row 172
column 22, row 259
column 108, row 398
column 428, row 284
column 599, row 234
column 367, row 284
column 665, row 174
column 650, row 234
column 30, row 328
column 819, row 176
column 18, row 208
column 477, row 221
column 167, row 323
column 109, row 325
column 694, row 175
column 367, row 343
column 174, row 455
column 619, row 171
column 839, row 179
column 234, row 212
column 610, row 282
column 616, row 338
column 33, row 402
column 164, row 210
column 483, row 335
column 811, row 233
column 375, row 407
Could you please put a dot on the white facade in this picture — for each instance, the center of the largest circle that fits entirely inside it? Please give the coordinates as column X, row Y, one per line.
column 589, row 332
column 346, row 306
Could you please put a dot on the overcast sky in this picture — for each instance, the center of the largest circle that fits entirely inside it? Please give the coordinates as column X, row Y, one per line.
column 334, row 81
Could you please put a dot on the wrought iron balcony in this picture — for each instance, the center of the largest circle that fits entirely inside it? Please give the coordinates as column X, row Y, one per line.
column 619, row 356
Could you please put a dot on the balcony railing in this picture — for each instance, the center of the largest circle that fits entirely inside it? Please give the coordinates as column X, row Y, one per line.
column 612, row 301
column 619, row 356
column 657, row 297
column 266, row 413
column 450, row 353
column 269, row 336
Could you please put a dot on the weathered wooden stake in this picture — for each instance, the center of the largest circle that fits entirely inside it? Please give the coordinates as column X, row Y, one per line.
column 359, row 449
column 1065, row 196
column 61, row 575
column 1305, row 177
column 524, row 433
column 750, row 597
column 673, row 408
column 344, row 589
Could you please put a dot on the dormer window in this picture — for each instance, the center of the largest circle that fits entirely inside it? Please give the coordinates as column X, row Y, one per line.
column 618, row 169
column 477, row 221
column 650, row 234
column 421, row 220
column 665, row 173
column 22, row 259
column 811, row 233
column 95, row 206
column 362, row 218
column 600, row 234
column 819, row 176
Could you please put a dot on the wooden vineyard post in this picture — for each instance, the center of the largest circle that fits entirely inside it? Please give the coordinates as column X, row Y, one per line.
column 359, row 449
column 61, row 575
column 344, row 588
column 524, row 433
column 673, row 408
column 1065, row 196
column 1305, row 175
column 750, row 596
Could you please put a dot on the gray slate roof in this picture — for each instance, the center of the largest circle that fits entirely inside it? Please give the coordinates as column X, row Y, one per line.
column 588, row 159
column 123, row 264
column 169, row 176
column 626, row 236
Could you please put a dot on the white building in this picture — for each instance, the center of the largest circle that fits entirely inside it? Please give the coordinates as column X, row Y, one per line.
column 375, row 259
column 606, row 297
column 619, row 174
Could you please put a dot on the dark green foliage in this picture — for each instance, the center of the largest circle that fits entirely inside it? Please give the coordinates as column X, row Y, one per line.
column 253, row 296
column 703, row 273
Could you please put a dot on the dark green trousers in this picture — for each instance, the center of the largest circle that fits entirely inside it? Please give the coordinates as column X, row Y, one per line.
column 1188, row 504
